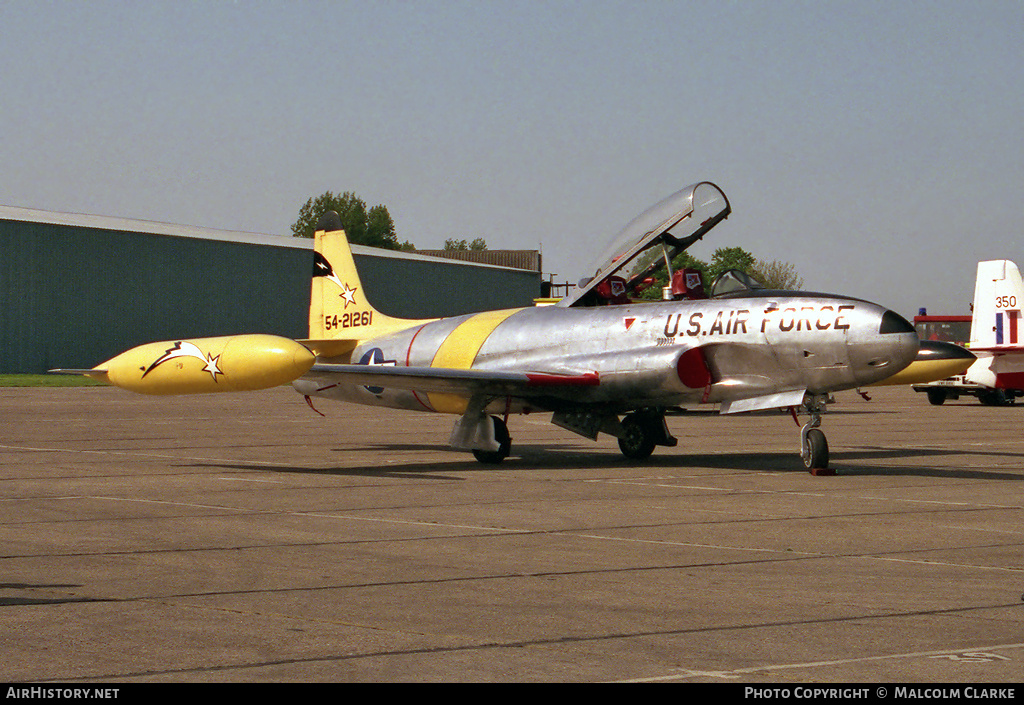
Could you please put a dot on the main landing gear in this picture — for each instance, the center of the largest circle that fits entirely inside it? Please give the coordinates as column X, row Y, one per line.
column 643, row 430
column 813, row 444
column 487, row 436
column 501, row 435
column 638, row 432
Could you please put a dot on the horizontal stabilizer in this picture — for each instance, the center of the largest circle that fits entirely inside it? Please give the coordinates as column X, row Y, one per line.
column 330, row 347
column 1000, row 350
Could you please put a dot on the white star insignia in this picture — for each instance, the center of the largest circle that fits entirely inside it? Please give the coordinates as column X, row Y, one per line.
column 349, row 295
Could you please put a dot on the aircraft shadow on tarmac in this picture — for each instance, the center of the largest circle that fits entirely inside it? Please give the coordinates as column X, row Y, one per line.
column 22, row 600
column 526, row 458
column 977, row 473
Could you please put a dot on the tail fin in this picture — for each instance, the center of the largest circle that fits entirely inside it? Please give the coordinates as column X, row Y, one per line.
column 998, row 298
column 339, row 314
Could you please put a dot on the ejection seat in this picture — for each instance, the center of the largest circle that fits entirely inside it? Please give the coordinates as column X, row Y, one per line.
column 687, row 284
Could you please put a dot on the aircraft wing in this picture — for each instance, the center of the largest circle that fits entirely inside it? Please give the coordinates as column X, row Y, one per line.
column 454, row 381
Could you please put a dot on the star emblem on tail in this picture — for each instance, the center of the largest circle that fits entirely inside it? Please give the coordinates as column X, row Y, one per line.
column 323, row 268
column 348, row 294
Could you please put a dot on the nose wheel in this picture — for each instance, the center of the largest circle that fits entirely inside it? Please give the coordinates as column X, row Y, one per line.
column 814, row 448
column 813, row 444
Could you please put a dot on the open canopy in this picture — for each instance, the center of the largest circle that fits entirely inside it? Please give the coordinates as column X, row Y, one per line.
column 673, row 223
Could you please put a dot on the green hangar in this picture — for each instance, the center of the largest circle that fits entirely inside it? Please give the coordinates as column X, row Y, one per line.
column 76, row 290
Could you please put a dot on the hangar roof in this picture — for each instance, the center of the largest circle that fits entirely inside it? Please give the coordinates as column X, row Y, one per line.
column 103, row 222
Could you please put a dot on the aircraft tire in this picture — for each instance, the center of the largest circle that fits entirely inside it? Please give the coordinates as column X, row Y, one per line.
column 493, row 457
column 816, row 457
column 638, row 442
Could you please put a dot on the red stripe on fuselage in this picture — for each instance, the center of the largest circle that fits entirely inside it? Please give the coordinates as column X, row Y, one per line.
column 539, row 379
column 408, row 357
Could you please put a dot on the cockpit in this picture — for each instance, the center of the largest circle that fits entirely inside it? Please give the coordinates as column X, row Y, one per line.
column 734, row 281
column 650, row 242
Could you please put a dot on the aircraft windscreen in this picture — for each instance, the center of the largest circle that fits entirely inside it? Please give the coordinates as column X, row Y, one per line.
column 676, row 221
column 733, row 281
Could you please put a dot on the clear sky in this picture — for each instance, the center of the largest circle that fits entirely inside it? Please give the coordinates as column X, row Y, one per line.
column 878, row 146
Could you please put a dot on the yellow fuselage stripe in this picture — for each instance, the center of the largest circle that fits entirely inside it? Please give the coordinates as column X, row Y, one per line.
column 459, row 350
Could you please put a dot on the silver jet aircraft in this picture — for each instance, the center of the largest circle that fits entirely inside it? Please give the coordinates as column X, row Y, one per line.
column 599, row 360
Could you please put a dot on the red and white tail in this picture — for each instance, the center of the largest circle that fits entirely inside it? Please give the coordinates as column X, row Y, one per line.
column 997, row 332
column 998, row 299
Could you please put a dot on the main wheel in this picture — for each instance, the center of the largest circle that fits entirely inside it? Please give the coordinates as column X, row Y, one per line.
column 638, row 442
column 815, row 456
column 936, row 396
column 493, row 457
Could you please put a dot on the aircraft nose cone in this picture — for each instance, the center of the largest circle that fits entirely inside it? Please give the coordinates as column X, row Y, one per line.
column 902, row 338
column 886, row 345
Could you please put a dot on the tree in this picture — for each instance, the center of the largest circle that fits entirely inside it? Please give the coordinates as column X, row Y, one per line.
column 463, row 246
column 373, row 227
column 777, row 275
column 726, row 258
column 774, row 275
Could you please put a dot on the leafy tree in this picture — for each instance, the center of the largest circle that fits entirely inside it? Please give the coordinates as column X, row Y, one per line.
column 373, row 227
column 464, row 246
column 726, row 258
column 777, row 275
column 774, row 275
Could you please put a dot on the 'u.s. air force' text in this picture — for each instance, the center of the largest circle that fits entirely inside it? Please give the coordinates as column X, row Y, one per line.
column 738, row 321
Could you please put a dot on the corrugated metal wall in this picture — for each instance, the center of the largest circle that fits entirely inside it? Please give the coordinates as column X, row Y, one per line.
column 73, row 296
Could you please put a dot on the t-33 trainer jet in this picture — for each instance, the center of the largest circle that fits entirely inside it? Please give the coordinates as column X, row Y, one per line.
column 599, row 360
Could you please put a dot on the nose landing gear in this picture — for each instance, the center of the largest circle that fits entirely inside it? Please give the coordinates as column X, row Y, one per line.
column 813, row 444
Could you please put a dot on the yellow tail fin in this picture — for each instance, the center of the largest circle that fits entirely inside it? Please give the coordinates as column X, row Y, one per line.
column 339, row 314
